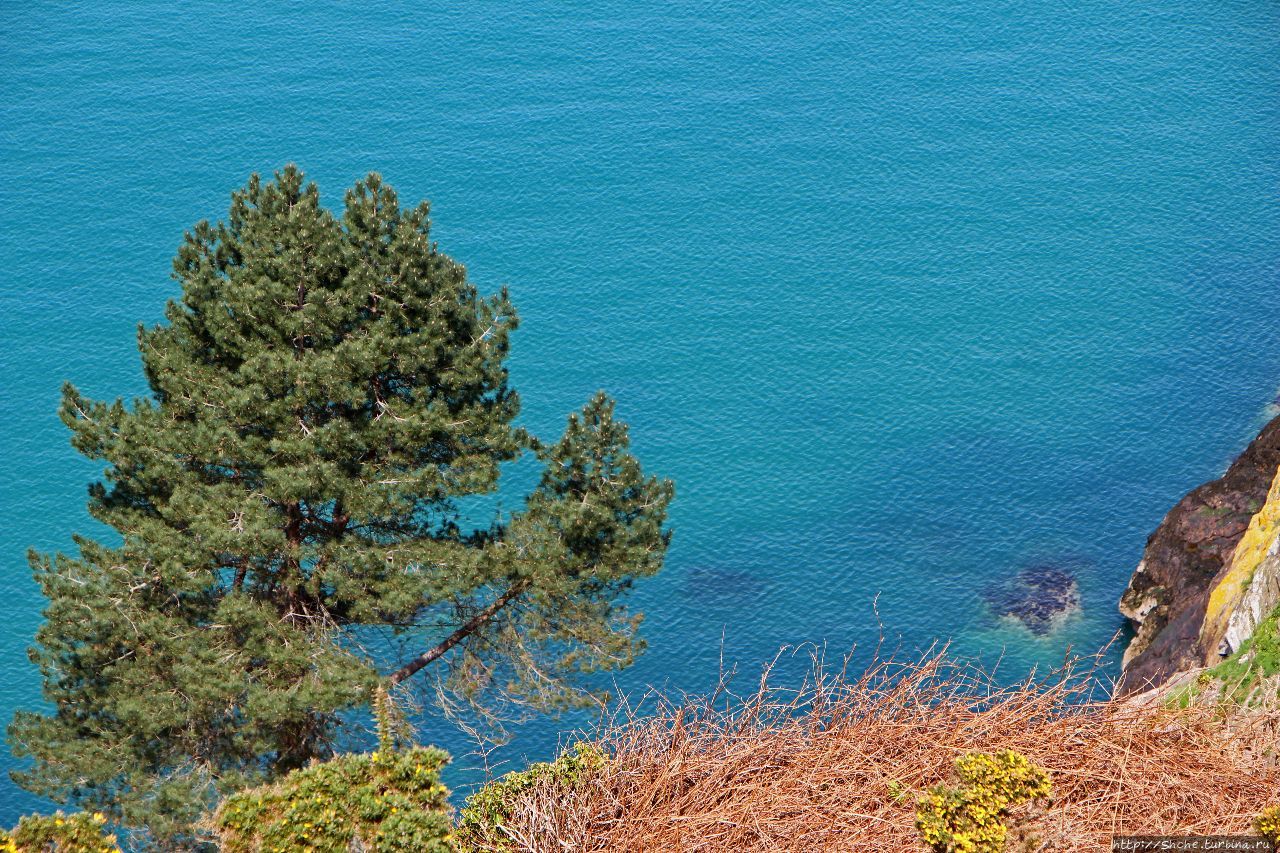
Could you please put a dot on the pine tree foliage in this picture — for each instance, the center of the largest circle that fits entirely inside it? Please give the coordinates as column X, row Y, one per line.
column 326, row 396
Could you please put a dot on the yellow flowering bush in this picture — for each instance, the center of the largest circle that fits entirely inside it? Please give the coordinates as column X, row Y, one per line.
column 389, row 801
column 1268, row 824
column 970, row 818
column 59, row 833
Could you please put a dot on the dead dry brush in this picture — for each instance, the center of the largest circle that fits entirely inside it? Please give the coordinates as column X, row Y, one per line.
column 839, row 763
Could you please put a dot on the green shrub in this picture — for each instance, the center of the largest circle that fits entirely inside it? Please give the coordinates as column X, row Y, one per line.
column 59, row 833
column 391, row 802
column 481, row 826
column 970, row 818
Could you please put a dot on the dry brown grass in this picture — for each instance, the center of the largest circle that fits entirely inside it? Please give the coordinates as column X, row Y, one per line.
column 814, row 769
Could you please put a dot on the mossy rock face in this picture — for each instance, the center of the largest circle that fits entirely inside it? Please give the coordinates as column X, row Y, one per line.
column 1040, row 596
column 1248, row 680
column 1254, row 666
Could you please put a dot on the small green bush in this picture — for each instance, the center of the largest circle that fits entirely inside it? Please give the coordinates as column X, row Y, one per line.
column 59, row 833
column 970, row 818
column 481, row 824
column 391, row 802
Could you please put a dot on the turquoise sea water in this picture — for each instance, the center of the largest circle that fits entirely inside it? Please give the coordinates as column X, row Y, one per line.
column 904, row 296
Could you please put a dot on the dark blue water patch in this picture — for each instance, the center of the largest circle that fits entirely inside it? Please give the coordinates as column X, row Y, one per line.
column 720, row 585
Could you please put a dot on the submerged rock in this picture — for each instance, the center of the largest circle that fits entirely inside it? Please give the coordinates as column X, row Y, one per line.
column 717, row 582
column 1039, row 596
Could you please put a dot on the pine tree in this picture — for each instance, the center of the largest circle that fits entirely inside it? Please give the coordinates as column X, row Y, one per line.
column 326, row 396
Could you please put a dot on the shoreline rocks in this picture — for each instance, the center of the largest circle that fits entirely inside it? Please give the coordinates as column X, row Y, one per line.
column 1186, row 559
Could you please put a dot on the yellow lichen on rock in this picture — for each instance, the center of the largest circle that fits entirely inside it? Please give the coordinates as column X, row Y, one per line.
column 1237, row 602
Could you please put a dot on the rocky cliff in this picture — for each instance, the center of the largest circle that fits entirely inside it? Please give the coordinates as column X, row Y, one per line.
column 1249, row 590
column 1210, row 572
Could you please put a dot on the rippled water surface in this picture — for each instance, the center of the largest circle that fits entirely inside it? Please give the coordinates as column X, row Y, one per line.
column 906, row 296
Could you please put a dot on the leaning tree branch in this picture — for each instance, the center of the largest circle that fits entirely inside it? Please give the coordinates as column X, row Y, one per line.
column 465, row 630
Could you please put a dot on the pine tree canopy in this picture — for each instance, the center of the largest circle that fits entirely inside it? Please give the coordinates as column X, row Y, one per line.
column 324, row 397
